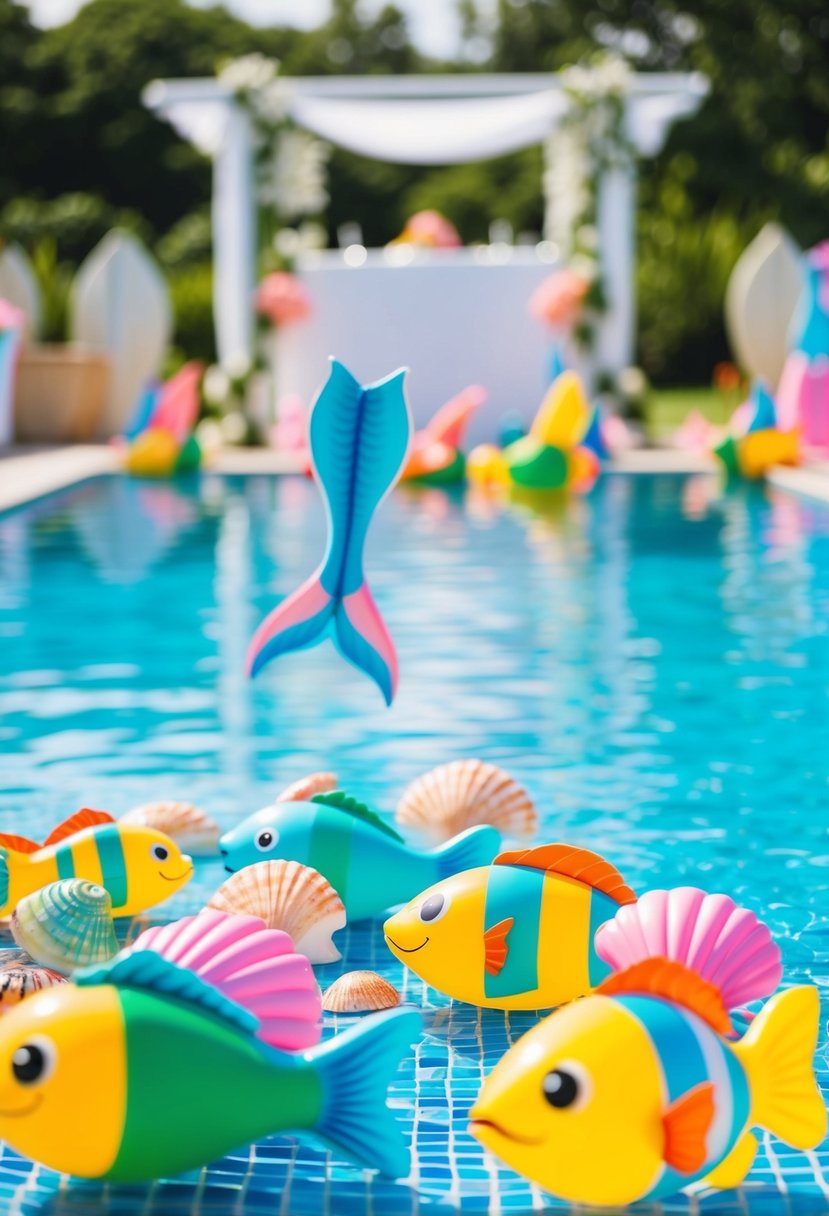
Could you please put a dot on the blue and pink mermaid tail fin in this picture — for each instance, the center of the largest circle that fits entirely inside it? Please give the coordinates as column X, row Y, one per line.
column 359, row 437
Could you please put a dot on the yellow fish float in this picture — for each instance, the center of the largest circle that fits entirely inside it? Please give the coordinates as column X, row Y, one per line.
column 138, row 866
column 517, row 934
column 636, row 1092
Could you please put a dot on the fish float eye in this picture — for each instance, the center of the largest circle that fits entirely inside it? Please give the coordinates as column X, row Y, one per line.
column 433, row 908
column 566, row 1086
column 159, row 853
column 266, row 840
column 34, row 1061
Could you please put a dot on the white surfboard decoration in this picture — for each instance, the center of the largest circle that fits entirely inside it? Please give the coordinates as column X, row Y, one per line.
column 120, row 305
column 19, row 286
column 761, row 296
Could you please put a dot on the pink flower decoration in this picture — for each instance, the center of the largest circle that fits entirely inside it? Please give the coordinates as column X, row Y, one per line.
column 558, row 301
column 431, row 229
column 283, row 299
column 11, row 317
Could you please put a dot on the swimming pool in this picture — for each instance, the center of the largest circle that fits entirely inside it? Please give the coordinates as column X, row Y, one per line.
column 653, row 661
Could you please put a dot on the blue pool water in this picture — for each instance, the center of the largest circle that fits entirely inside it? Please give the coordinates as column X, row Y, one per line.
column 652, row 661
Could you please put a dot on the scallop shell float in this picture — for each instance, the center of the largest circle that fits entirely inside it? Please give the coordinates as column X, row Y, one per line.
column 360, row 992
column 288, row 896
column 254, row 966
column 722, row 942
column 462, row 794
column 19, row 980
column 66, row 925
column 192, row 830
column 305, row 789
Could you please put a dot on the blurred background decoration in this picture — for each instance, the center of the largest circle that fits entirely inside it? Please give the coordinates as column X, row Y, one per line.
column 82, row 155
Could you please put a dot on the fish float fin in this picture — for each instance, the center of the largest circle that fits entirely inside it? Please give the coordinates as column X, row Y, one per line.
column 495, row 946
column 359, row 436
column 665, row 978
column 571, row 862
column 355, row 1070
column 475, row 847
column 149, row 972
column 685, row 1124
column 84, row 818
column 18, row 844
column 711, row 935
column 344, row 802
column 732, row 1169
column 777, row 1054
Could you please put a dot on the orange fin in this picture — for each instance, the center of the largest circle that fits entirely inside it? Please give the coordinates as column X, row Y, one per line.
column 661, row 977
column 84, row 818
column 686, row 1123
column 449, row 423
column 495, row 946
column 570, row 862
column 20, row 844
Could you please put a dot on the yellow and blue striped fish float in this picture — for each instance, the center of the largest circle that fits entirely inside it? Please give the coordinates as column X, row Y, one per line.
column 138, row 866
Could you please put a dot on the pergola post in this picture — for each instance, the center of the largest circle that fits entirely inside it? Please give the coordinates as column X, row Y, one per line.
column 234, row 240
column 617, row 242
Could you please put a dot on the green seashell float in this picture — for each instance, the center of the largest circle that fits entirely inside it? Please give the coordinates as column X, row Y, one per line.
column 66, row 925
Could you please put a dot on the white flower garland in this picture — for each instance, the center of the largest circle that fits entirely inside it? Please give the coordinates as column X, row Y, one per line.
column 589, row 140
column 290, row 164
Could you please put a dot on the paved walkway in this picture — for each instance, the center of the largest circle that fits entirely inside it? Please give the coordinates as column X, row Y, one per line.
column 28, row 473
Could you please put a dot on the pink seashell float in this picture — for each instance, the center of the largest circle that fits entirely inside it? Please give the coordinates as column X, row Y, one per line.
column 710, row 934
column 255, row 966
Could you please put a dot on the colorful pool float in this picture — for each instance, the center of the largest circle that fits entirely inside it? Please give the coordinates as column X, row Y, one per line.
column 803, row 392
column 763, row 444
column 140, row 1070
column 160, row 440
column 364, row 859
column 553, row 455
column 645, row 1078
column 137, row 866
column 359, row 437
column 436, row 457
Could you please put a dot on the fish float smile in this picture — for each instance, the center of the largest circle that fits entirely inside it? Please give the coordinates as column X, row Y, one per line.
column 177, row 877
column 414, row 949
column 22, row 1111
column 478, row 1125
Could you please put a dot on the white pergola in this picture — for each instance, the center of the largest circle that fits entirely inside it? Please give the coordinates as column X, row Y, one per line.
column 428, row 120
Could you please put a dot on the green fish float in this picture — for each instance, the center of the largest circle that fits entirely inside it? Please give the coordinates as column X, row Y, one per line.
column 368, row 863
column 141, row 1070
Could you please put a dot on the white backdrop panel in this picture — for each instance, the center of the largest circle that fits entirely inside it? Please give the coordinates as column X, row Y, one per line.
column 452, row 320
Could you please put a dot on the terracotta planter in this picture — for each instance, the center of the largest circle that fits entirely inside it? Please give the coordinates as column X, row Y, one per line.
column 60, row 394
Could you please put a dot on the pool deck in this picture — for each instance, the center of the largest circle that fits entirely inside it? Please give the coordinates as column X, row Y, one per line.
column 30, row 473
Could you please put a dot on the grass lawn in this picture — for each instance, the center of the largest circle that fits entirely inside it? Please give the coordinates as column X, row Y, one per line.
column 666, row 409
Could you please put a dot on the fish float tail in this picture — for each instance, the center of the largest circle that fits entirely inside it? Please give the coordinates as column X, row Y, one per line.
column 358, row 437
column 305, row 617
column 477, row 846
column 355, row 1070
column 777, row 1054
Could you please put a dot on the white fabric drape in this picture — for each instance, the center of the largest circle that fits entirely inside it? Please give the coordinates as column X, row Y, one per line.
column 432, row 132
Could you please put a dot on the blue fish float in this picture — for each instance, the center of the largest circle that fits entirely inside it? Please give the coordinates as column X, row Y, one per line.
column 369, row 865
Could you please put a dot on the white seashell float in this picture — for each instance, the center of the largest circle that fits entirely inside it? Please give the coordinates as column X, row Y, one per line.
column 760, row 300
column 189, row 826
column 305, row 789
column 288, row 896
column 20, row 980
column 462, row 794
column 360, row 992
column 121, row 307
column 66, row 925
column 710, row 934
column 19, row 285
